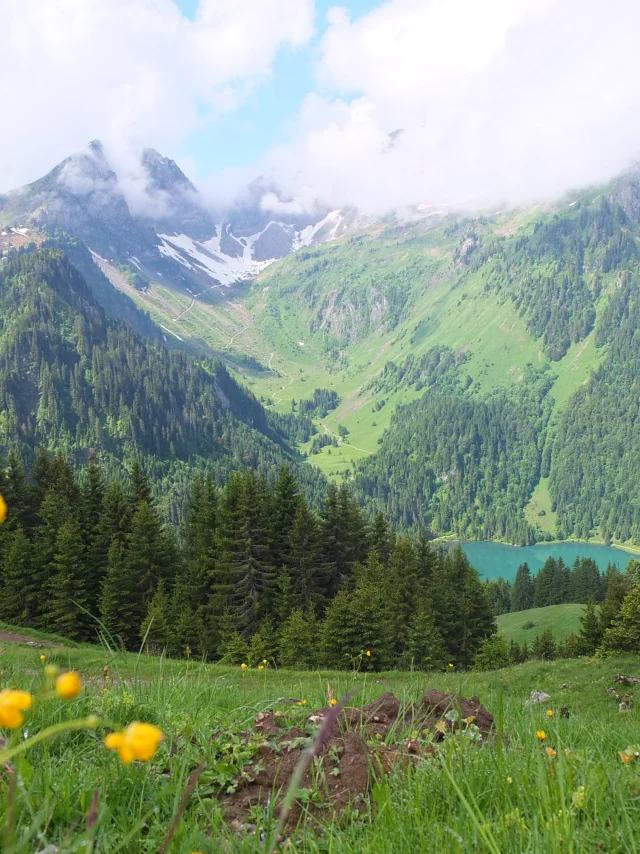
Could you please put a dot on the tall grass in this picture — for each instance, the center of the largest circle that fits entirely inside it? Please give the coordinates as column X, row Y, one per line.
column 507, row 795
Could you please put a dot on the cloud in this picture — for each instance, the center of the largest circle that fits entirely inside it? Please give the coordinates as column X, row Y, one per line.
column 500, row 100
column 133, row 73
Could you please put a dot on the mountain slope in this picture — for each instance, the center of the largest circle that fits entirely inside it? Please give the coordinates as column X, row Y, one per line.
column 71, row 378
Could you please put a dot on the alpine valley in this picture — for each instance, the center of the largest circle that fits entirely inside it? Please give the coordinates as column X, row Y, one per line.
column 473, row 375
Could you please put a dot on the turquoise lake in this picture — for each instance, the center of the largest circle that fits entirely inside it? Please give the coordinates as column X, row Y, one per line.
column 492, row 560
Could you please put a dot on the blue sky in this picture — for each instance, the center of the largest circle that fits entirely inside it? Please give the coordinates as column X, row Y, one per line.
column 241, row 137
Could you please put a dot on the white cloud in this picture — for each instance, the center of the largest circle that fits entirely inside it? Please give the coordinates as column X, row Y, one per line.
column 133, row 73
column 499, row 100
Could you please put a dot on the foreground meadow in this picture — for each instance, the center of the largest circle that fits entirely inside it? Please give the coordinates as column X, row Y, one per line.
column 546, row 783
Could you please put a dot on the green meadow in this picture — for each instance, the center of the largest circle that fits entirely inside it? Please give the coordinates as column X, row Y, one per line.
column 570, row 792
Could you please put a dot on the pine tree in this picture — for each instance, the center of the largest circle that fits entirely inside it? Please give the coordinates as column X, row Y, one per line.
column 245, row 557
column 285, row 504
column 95, row 543
column 591, row 630
column 494, row 654
column 309, row 575
column 425, row 649
column 624, row 634
column 118, row 599
column 405, row 590
column 140, row 489
column 18, row 598
column 298, row 642
column 66, row 586
column 382, row 538
column 148, row 558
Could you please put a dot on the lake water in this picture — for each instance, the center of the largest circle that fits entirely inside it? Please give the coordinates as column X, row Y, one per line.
column 492, row 560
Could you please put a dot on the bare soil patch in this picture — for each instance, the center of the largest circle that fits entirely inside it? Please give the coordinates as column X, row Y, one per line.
column 364, row 742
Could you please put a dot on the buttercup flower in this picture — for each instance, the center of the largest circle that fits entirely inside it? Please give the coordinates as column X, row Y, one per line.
column 243, row 666
column 333, row 702
column 451, row 665
column 261, row 667
column 368, row 653
column 541, row 735
column 138, row 741
column 42, row 657
column 264, row 661
column 550, row 713
column 12, row 705
column 51, row 671
column 3, row 509
column 68, row 685
column 509, row 780
column 302, row 703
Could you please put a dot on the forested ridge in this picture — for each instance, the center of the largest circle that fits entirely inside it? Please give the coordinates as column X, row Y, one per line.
column 72, row 379
column 252, row 573
column 463, row 461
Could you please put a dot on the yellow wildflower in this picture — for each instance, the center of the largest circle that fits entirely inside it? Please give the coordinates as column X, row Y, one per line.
column 12, row 704
column 509, row 780
column 451, row 665
column 264, row 661
column 368, row 653
column 261, row 667
column 551, row 753
column 3, row 509
column 138, row 741
column 42, row 657
column 541, row 735
column 550, row 713
column 302, row 703
column 333, row 702
column 243, row 666
column 68, row 685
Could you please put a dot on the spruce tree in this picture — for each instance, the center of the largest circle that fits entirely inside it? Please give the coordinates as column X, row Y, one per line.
column 118, row 599
column 298, row 643
column 425, row 649
column 18, row 597
column 67, row 586
column 245, row 557
column 95, row 543
column 285, row 503
column 591, row 630
column 522, row 590
column 309, row 575
column 624, row 634
column 494, row 654
column 382, row 538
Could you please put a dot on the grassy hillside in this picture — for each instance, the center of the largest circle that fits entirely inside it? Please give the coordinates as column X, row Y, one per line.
column 561, row 619
column 505, row 796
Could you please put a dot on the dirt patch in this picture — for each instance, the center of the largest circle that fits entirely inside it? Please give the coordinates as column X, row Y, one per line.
column 363, row 742
column 14, row 637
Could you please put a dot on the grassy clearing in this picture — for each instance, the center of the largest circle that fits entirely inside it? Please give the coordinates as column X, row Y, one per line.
column 538, row 511
column 561, row 619
column 505, row 796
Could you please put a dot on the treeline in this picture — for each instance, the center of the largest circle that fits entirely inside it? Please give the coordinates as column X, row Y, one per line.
column 555, row 584
column 613, row 627
column 252, row 573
